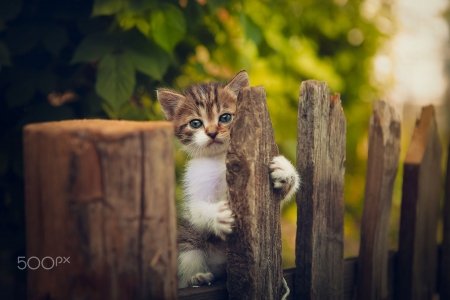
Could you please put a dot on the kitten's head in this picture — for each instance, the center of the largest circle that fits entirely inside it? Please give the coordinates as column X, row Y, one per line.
column 203, row 113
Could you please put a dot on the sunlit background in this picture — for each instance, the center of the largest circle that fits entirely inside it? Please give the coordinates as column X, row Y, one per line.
column 415, row 57
column 410, row 71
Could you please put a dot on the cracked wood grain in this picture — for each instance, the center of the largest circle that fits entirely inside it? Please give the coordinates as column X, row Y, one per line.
column 99, row 192
column 320, row 201
column 382, row 165
column 254, row 269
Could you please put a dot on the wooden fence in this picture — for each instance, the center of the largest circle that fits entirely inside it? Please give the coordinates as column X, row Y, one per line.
column 102, row 193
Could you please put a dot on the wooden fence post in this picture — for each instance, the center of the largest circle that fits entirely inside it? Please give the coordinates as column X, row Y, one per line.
column 320, row 217
column 445, row 249
column 382, row 165
column 254, row 267
column 100, row 193
column 417, row 254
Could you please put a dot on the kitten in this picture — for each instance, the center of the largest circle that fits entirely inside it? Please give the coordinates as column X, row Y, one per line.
column 202, row 116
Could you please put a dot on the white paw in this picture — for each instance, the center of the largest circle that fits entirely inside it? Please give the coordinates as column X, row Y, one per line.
column 284, row 176
column 224, row 219
column 281, row 171
column 200, row 279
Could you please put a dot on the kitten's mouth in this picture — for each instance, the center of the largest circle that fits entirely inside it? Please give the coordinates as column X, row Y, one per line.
column 214, row 142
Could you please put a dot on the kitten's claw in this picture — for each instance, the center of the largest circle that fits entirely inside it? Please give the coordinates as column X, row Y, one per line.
column 224, row 219
column 224, row 205
column 200, row 279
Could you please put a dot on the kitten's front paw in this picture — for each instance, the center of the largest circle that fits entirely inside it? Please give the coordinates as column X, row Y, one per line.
column 200, row 279
column 224, row 219
column 284, row 176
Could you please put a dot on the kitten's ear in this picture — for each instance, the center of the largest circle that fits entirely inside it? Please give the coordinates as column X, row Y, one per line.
column 169, row 102
column 239, row 81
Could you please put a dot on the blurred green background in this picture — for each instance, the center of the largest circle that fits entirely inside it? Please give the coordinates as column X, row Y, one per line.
column 105, row 58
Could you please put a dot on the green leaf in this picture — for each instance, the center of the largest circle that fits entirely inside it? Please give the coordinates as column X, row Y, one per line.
column 133, row 113
column 252, row 31
column 4, row 55
column 153, row 62
column 140, row 5
column 106, row 7
column 127, row 20
column 147, row 56
column 143, row 26
column 115, row 79
column 94, row 47
column 146, row 64
column 54, row 39
column 169, row 26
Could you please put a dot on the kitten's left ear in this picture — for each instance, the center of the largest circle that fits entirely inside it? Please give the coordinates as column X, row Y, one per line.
column 239, row 81
column 169, row 102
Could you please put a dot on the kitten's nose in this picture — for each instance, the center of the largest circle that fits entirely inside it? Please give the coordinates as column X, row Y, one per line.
column 212, row 134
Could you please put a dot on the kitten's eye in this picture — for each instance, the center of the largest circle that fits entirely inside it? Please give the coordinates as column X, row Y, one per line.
column 225, row 118
column 195, row 123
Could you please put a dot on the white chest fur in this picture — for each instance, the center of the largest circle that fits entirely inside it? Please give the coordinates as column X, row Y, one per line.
column 205, row 180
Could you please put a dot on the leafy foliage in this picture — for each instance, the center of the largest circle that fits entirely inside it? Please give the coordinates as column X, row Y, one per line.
column 115, row 80
column 168, row 26
column 105, row 58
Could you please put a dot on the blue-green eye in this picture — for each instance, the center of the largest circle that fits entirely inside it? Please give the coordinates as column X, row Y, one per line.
column 225, row 118
column 196, row 123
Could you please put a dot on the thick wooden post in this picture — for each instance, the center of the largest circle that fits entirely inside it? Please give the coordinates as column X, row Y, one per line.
column 254, row 267
column 320, row 217
column 445, row 249
column 382, row 165
column 100, row 194
column 417, row 254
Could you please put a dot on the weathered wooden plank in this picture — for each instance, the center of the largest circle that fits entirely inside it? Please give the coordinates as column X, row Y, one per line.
column 320, row 217
column 254, row 249
column 382, row 165
column 420, row 211
column 99, row 192
column 445, row 262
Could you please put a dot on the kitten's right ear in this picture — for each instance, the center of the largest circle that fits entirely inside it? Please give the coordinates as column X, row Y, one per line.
column 169, row 102
column 239, row 81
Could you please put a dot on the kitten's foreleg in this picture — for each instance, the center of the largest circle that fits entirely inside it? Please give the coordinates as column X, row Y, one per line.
column 284, row 177
column 214, row 217
column 192, row 269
